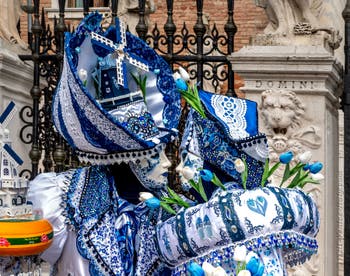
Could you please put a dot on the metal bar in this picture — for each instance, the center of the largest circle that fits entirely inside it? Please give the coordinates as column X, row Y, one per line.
column 346, row 109
column 199, row 30
column 141, row 27
column 170, row 29
column 59, row 154
column 86, row 7
column 230, row 29
column 35, row 92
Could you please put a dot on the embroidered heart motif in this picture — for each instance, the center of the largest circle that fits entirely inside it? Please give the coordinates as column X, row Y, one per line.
column 258, row 205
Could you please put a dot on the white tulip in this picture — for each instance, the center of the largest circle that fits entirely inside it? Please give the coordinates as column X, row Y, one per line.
column 208, row 269
column 240, row 253
column 317, row 176
column 239, row 165
column 143, row 196
column 176, row 76
column 83, row 75
column 244, row 273
column 184, row 75
column 219, row 271
column 188, row 173
column 305, row 157
column 251, row 255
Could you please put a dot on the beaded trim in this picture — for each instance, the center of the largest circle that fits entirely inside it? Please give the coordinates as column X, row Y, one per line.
column 112, row 158
column 297, row 248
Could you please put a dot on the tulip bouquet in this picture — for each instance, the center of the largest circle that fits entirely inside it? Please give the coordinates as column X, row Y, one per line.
column 188, row 91
column 248, row 264
column 301, row 174
column 174, row 199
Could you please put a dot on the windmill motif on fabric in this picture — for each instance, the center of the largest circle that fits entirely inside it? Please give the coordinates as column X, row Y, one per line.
column 118, row 52
column 9, row 158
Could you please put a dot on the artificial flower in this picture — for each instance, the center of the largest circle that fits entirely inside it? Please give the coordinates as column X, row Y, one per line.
column 244, row 273
column 317, row 176
column 305, row 157
column 176, row 76
column 208, row 269
column 181, row 84
column 143, row 196
column 254, row 264
column 218, row 271
column 195, row 269
column 83, row 75
column 207, row 175
column 286, row 157
column 152, row 203
column 239, row 165
column 184, row 75
column 316, row 167
column 188, row 173
column 240, row 253
column 306, row 167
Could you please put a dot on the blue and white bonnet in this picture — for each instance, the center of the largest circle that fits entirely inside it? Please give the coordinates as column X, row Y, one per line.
column 99, row 107
column 230, row 131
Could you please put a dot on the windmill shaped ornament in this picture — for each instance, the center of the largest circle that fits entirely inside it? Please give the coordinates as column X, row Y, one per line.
column 121, row 56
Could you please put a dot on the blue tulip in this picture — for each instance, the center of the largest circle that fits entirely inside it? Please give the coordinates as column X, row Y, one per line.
column 260, row 271
column 152, row 203
column 206, row 175
column 253, row 265
column 181, row 84
column 286, row 157
column 195, row 269
column 306, row 167
column 316, row 167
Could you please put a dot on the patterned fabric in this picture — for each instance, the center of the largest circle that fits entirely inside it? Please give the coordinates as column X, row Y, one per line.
column 106, row 225
column 230, row 131
column 90, row 128
column 264, row 220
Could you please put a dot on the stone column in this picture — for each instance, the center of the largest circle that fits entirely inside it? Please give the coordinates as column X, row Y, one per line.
column 16, row 80
column 297, row 89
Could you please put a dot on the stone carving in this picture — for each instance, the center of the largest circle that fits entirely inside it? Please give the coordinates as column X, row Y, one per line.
column 128, row 11
column 290, row 19
column 10, row 12
column 284, row 115
column 283, row 15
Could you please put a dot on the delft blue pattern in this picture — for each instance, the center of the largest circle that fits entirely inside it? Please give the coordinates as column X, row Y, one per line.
column 238, row 117
column 288, row 213
column 258, row 205
column 100, row 124
column 309, row 225
column 181, row 232
column 216, row 149
column 106, row 225
column 297, row 249
column 230, row 218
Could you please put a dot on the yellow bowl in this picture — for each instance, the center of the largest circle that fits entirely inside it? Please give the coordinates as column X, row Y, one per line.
column 24, row 237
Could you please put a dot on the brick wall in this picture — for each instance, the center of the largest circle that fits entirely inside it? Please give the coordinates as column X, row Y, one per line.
column 249, row 19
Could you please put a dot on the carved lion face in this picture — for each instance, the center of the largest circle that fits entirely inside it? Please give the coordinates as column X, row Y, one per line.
column 281, row 110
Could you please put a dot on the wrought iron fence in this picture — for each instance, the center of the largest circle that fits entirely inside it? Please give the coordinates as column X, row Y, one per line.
column 202, row 52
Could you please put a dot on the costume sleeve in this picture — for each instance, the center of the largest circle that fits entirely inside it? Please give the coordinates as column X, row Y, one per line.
column 46, row 192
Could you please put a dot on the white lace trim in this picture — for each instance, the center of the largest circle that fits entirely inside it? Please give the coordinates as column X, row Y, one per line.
column 231, row 111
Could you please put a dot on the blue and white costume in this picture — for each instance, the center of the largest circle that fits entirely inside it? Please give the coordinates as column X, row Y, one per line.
column 99, row 230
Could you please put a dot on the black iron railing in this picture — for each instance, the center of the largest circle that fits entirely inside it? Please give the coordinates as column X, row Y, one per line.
column 202, row 52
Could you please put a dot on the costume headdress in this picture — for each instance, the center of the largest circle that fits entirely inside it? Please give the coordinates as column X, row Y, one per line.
column 229, row 131
column 99, row 107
